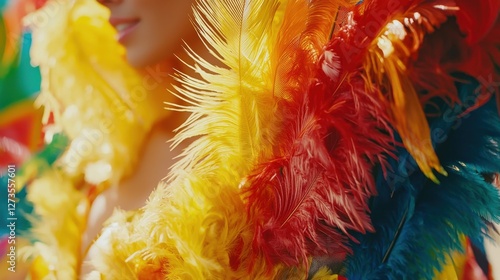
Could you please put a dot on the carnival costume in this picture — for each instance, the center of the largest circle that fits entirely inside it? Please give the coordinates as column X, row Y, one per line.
column 370, row 152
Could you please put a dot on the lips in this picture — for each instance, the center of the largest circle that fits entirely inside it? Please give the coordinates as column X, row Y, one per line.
column 124, row 27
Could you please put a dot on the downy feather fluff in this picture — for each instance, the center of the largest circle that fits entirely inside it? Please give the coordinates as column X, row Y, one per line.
column 420, row 224
column 95, row 99
column 303, row 129
column 194, row 226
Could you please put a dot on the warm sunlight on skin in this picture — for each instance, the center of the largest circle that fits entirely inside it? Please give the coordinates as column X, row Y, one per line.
column 150, row 30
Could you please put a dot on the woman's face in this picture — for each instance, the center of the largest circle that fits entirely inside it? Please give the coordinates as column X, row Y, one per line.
column 150, row 30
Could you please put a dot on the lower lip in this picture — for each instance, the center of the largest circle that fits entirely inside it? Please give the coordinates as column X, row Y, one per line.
column 125, row 33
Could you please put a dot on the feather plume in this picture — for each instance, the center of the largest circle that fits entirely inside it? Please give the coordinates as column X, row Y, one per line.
column 411, row 237
column 394, row 65
column 294, row 111
column 386, row 64
column 234, row 94
column 105, row 114
column 307, row 198
column 84, row 79
column 407, row 230
column 195, row 225
column 56, row 235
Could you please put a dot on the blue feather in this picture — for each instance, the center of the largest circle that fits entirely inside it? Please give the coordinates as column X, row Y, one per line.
column 417, row 222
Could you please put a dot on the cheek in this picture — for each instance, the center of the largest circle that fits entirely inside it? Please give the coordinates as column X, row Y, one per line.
column 163, row 27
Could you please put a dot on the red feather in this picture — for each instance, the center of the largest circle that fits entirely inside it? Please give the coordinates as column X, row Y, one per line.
column 476, row 18
column 473, row 54
column 313, row 193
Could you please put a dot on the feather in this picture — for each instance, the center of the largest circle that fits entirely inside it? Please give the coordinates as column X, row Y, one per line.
column 411, row 238
column 391, row 58
column 472, row 269
column 476, row 21
column 55, row 232
column 237, row 33
column 324, row 273
column 426, row 238
column 195, row 226
column 307, row 198
column 104, row 113
column 386, row 64
column 90, row 77
column 479, row 49
column 285, row 117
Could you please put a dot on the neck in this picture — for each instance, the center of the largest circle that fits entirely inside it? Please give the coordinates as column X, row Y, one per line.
column 159, row 82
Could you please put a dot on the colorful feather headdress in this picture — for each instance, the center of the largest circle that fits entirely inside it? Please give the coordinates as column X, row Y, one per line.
column 319, row 148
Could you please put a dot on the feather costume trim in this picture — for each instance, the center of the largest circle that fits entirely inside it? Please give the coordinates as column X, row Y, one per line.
column 312, row 193
column 91, row 79
column 296, row 123
column 411, row 238
column 101, row 105
column 195, row 227
column 386, row 64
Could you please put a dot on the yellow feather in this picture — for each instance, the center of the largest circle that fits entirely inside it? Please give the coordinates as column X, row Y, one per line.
column 96, row 98
column 190, row 226
column 453, row 269
column 57, row 226
column 101, row 104
column 194, row 222
column 233, row 100
column 325, row 273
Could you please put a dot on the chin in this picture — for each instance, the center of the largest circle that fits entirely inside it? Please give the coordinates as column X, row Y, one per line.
column 138, row 61
column 140, row 57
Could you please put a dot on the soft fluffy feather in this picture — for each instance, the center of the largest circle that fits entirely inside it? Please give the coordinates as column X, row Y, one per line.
column 83, row 82
column 307, row 125
column 196, row 227
column 56, row 233
column 307, row 198
column 233, row 98
column 417, row 226
column 387, row 64
column 99, row 102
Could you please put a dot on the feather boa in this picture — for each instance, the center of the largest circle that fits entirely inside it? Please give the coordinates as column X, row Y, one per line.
column 105, row 115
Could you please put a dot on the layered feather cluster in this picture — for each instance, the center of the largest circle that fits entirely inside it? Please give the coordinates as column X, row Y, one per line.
column 95, row 99
column 312, row 193
column 421, row 48
column 309, row 147
column 195, row 225
column 79, row 79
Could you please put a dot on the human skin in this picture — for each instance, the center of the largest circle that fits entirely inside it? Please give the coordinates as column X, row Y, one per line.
column 153, row 33
column 150, row 30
